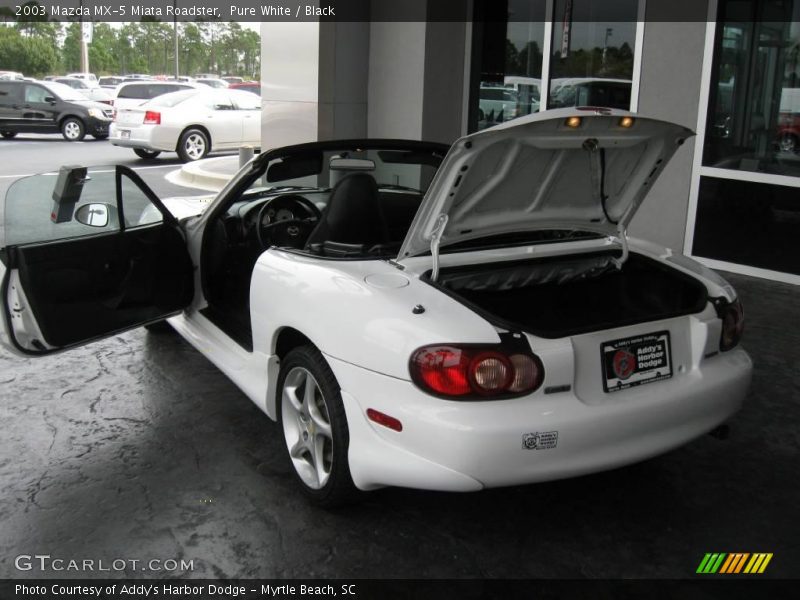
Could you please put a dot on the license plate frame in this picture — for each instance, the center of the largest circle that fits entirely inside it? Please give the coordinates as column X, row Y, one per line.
column 124, row 134
column 636, row 360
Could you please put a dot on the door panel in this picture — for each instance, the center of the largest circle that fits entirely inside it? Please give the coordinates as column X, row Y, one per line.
column 66, row 283
column 87, row 288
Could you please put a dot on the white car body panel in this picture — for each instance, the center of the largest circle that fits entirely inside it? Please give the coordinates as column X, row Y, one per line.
column 358, row 313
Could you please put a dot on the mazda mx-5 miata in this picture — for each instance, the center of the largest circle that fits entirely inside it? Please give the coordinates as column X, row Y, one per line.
column 412, row 314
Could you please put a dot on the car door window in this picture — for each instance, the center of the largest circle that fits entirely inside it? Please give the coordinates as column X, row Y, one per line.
column 35, row 94
column 220, row 101
column 247, row 101
column 8, row 92
column 38, row 210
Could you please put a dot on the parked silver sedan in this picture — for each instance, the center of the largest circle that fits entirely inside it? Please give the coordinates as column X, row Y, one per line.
column 190, row 122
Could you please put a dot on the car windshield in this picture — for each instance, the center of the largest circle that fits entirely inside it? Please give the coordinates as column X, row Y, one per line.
column 64, row 92
column 408, row 170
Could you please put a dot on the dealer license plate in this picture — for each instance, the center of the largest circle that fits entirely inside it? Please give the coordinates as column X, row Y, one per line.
column 124, row 134
column 636, row 360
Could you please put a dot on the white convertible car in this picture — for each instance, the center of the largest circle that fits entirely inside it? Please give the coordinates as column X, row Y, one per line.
column 412, row 314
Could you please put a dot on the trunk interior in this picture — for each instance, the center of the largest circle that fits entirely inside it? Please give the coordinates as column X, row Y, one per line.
column 562, row 296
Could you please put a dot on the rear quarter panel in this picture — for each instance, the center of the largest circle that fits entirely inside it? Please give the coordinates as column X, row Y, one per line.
column 332, row 303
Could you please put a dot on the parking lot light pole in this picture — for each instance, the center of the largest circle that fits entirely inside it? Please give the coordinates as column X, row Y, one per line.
column 175, row 36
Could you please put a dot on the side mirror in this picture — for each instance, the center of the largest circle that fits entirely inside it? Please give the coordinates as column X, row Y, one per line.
column 93, row 215
column 50, row 99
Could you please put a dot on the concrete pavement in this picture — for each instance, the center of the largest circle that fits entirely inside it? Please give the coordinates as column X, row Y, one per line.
column 136, row 447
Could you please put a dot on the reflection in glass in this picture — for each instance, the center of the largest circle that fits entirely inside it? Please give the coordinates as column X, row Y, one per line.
column 509, row 36
column 592, row 56
column 753, row 121
column 748, row 223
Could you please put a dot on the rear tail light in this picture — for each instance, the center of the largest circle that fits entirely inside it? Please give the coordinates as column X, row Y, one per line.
column 732, row 315
column 464, row 371
column 152, row 117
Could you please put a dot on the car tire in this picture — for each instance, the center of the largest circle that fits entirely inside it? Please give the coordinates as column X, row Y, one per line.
column 314, row 428
column 73, row 129
column 8, row 134
column 146, row 154
column 193, row 145
column 100, row 136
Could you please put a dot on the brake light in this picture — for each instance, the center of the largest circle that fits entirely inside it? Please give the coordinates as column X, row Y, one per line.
column 732, row 315
column 152, row 117
column 457, row 371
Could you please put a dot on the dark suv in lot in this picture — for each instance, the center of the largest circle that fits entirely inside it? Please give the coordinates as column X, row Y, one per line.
column 49, row 107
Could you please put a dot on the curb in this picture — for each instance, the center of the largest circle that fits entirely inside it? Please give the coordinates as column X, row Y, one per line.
column 196, row 174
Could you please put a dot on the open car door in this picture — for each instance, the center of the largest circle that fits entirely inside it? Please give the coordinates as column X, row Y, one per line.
column 87, row 253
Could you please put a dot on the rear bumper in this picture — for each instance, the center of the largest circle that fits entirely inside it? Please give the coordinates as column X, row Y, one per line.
column 149, row 137
column 466, row 446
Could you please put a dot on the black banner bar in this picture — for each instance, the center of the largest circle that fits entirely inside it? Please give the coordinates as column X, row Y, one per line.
column 705, row 587
column 346, row 10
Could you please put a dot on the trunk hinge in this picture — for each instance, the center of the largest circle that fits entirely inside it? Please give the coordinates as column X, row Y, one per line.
column 436, row 237
column 622, row 236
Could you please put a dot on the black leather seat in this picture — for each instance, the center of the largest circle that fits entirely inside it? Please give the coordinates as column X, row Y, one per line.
column 353, row 215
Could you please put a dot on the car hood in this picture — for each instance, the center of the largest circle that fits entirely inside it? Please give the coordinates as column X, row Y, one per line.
column 537, row 173
column 90, row 104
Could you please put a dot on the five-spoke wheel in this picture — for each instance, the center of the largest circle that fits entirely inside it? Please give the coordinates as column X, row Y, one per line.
column 193, row 145
column 315, row 431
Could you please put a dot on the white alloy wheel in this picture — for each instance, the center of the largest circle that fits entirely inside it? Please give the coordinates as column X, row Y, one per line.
column 307, row 428
column 72, row 130
column 193, row 145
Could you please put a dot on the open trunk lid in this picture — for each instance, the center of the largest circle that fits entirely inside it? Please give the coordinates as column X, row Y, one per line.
column 569, row 169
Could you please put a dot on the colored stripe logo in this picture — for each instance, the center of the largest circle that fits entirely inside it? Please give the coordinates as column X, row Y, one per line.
column 734, row 563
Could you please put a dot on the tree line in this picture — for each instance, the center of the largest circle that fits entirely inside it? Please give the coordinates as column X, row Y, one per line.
column 41, row 47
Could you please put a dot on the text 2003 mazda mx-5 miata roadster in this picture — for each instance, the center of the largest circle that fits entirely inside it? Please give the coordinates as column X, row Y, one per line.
column 412, row 314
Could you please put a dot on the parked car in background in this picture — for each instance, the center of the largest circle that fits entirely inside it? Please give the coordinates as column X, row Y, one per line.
column 134, row 93
column 247, row 86
column 212, row 82
column 411, row 314
column 110, row 82
column 591, row 91
column 10, row 75
column 92, row 92
column 232, row 79
column 51, row 107
column 497, row 104
column 191, row 122
column 88, row 77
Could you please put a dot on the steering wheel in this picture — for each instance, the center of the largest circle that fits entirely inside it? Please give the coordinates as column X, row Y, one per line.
column 287, row 232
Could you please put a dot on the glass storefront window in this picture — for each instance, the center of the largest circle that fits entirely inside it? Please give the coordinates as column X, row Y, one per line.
column 753, row 121
column 591, row 62
column 748, row 223
column 508, row 45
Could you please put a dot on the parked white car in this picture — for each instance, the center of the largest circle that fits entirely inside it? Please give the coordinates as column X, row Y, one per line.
column 413, row 316
column 191, row 122
column 90, row 92
column 130, row 94
column 213, row 82
column 87, row 77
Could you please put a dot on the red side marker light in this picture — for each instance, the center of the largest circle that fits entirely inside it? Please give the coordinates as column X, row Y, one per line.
column 384, row 419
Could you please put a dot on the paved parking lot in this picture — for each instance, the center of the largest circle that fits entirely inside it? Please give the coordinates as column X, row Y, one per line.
column 137, row 448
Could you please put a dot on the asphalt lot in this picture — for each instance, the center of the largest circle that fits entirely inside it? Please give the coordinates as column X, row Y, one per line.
column 136, row 447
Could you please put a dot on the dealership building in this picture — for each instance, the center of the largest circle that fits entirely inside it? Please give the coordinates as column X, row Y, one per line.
column 727, row 69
